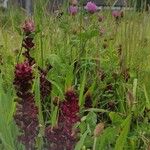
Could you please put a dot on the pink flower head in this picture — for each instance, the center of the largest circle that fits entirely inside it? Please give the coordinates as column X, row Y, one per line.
column 117, row 14
column 23, row 72
column 29, row 26
column 73, row 10
column 91, row 7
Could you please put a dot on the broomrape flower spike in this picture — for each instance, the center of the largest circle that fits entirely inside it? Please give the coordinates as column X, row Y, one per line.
column 91, row 7
column 63, row 137
column 27, row 42
column 26, row 115
column 28, row 28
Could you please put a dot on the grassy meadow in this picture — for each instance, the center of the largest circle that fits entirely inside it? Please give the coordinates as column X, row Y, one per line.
column 103, row 61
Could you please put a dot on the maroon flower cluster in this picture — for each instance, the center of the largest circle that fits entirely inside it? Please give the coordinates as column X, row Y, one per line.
column 28, row 42
column 26, row 116
column 63, row 137
column 28, row 28
column 45, row 85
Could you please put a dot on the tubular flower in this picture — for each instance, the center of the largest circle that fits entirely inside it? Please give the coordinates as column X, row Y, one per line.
column 63, row 136
column 26, row 115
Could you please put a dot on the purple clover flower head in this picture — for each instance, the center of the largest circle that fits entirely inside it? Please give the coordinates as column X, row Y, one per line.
column 117, row 14
column 91, row 7
column 73, row 10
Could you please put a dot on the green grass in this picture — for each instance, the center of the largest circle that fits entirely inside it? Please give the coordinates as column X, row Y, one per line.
column 66, row 41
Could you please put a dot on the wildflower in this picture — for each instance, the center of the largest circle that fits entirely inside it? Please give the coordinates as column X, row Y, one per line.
column 117, row 14
column 73, row 10
column 26, row 115
column 28, row 29
column 63, row 136
column 91, row 7
column 23, row 75
column 28, row 26
column 69, row 108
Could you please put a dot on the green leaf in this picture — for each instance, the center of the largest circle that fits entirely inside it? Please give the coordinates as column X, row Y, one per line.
column 69, row 77
column 91, row 119
column 81, row 96
column 115, row 118
column 40, row 117
column 147, row 98
column 124, row 133
column 54, row 116
column 97, row 110
column 80, row 144
column 108, row 137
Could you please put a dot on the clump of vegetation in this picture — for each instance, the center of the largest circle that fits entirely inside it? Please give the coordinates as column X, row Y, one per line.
column 77, row 80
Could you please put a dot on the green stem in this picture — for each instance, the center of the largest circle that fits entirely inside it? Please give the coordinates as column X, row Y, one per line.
column 42, row 54
column 20, row 52
column 94, row 145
